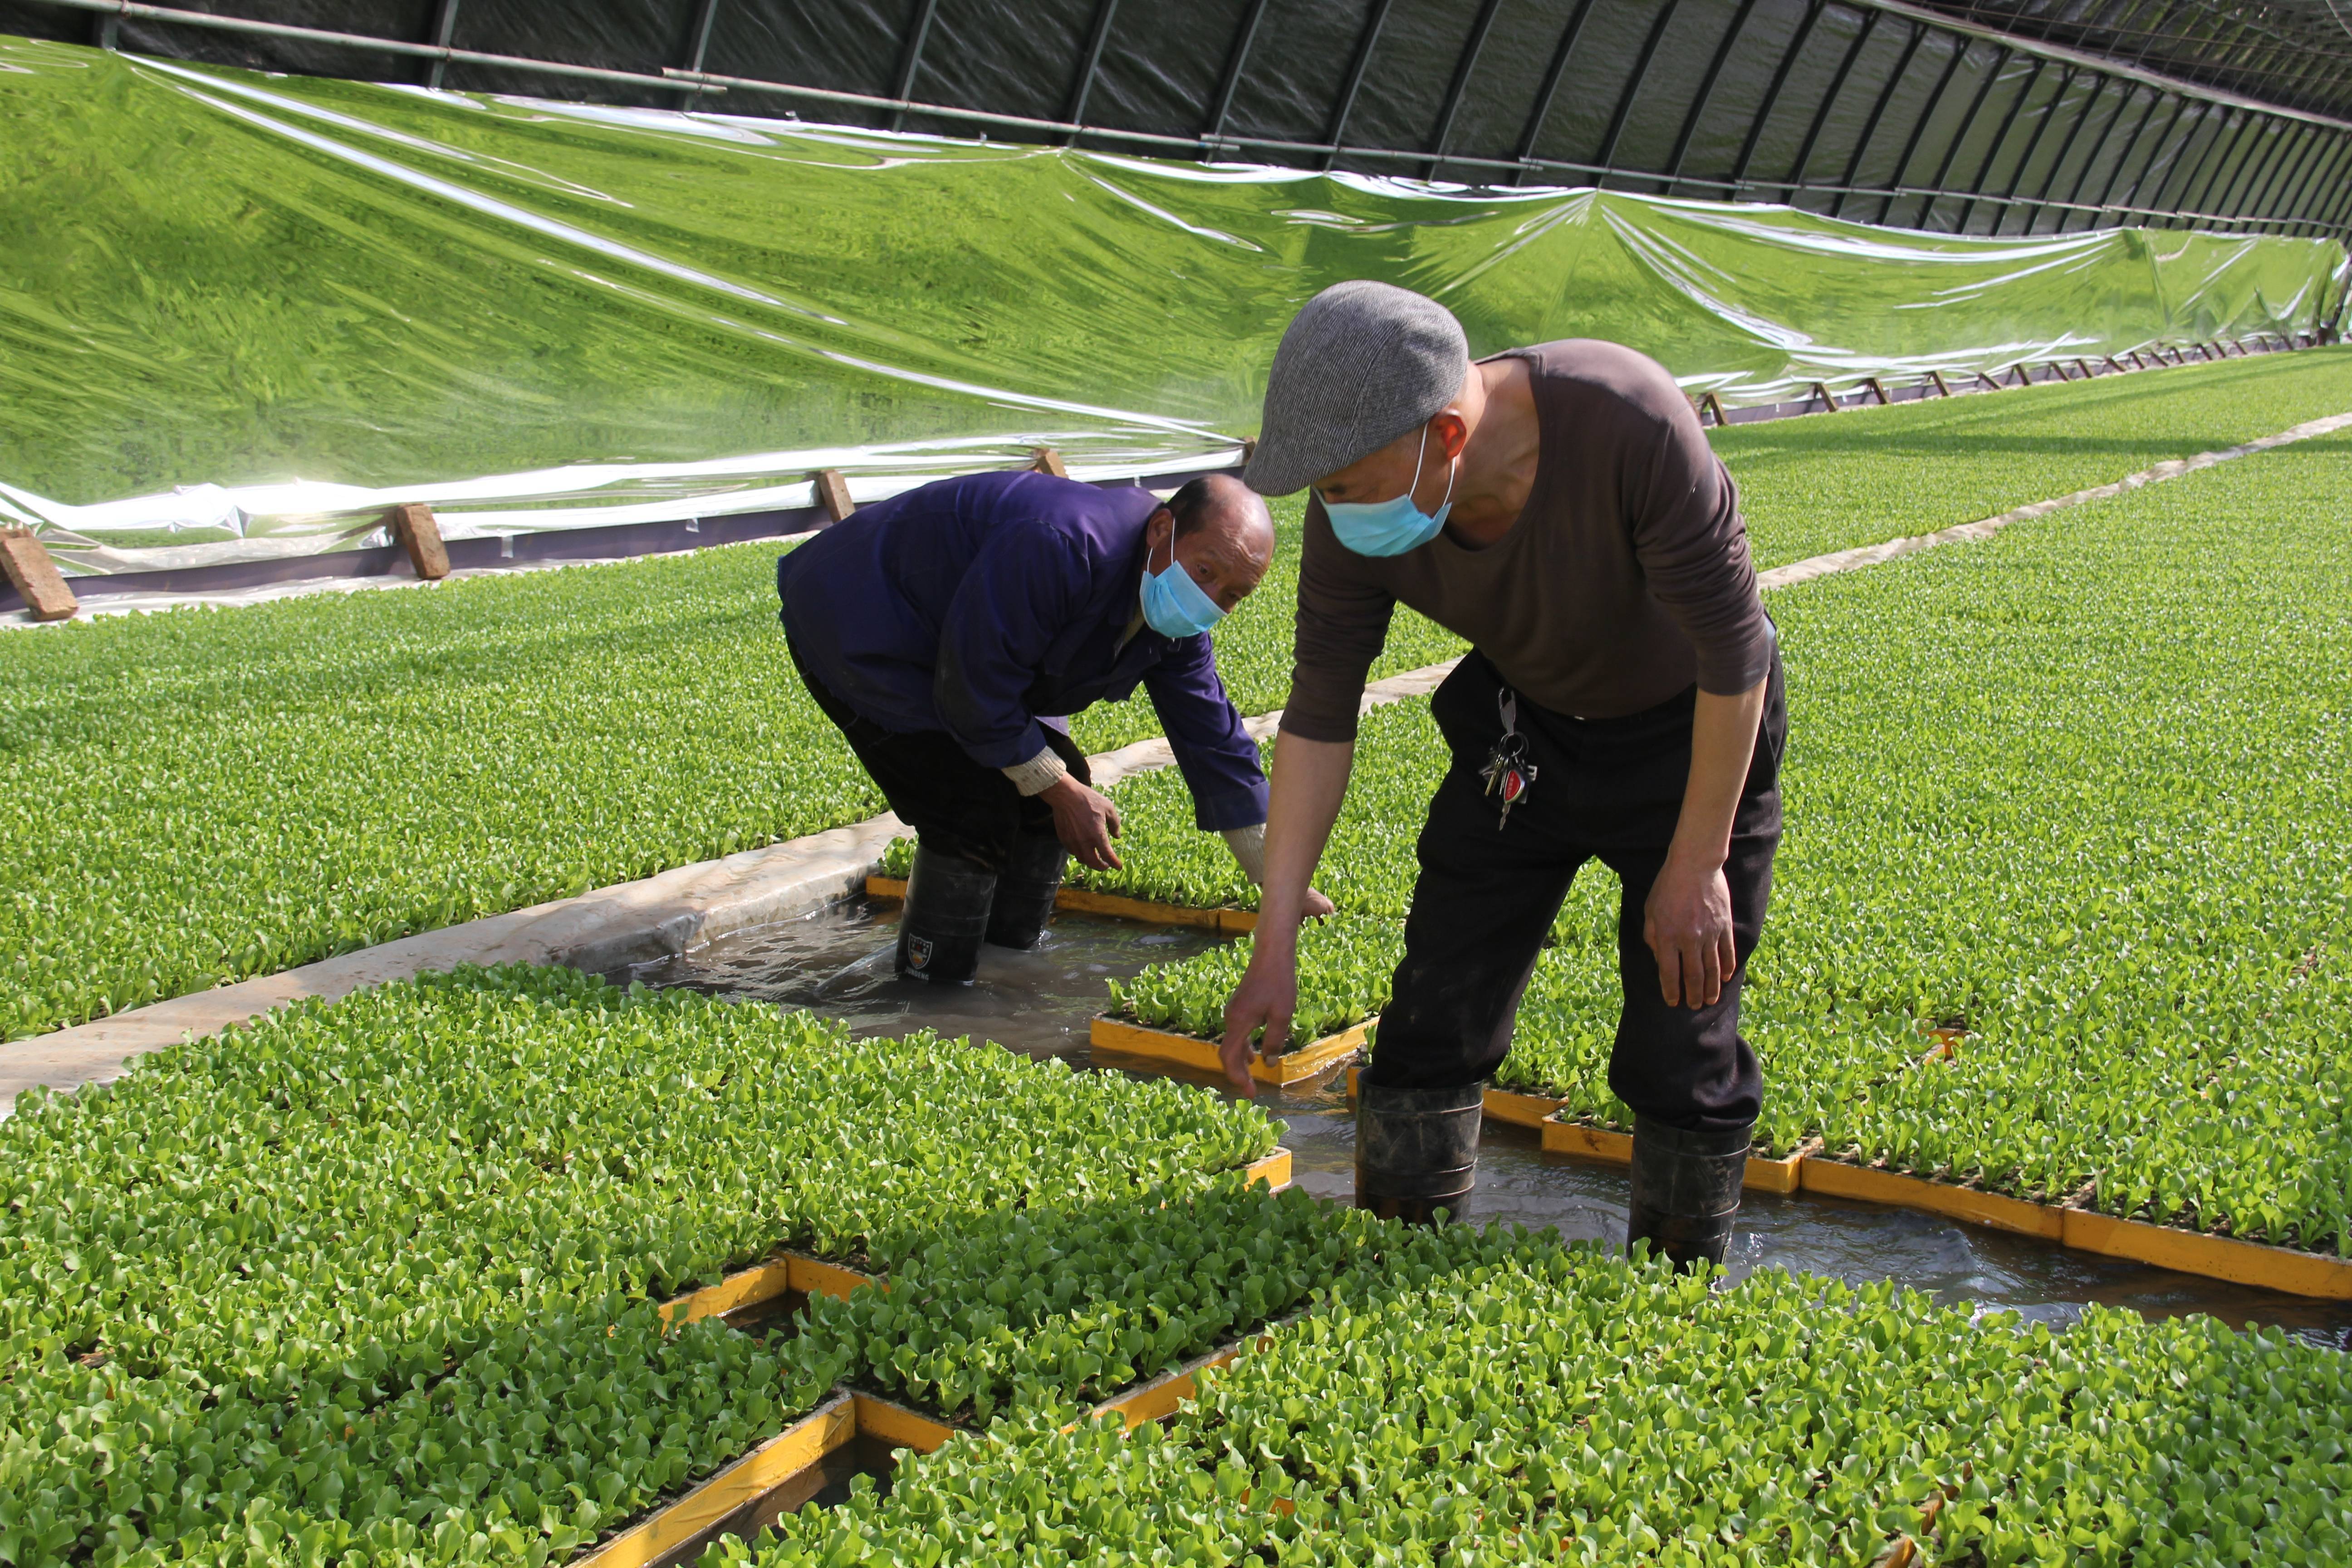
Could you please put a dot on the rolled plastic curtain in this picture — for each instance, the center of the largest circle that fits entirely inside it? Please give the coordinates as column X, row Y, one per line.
column 245, row 314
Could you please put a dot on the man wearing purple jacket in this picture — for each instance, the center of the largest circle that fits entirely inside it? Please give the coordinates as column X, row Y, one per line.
column 952, row 630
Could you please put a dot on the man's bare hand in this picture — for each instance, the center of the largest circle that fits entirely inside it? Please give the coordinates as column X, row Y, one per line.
column 1687, row 923
column 1266, row 999
column 1085, row 821
column 1318, row 906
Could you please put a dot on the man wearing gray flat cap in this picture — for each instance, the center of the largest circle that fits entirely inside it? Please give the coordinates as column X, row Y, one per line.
column 1559, row 508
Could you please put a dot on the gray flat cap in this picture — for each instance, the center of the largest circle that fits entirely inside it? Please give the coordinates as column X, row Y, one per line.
column 1361, row 364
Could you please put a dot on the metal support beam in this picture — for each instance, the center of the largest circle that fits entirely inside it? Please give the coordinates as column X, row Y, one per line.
column 698, row 48
column 1553, row 75
column 2179, row 108
column 2220, row 167
column 1894, row 181
column 2251, row 155
column 2098, row 149
column 2187, row 170
column 445, row 27
column 2331, row 157
column 1706, row 91
column 2002, row 55
column 2033, row 144
column 1999, row 139
column 2297, row 145
column 1463, row 67
column 1366, row 42
column 1797, row 42
column 1236, row 61
column 2261, row 169
column 1097, row 36
column 1862, row 143
column 1829, row 96
column 2332, row 214
column 2065, row 149
column 911, row 62
column 1608, row 158
column 2289, row 200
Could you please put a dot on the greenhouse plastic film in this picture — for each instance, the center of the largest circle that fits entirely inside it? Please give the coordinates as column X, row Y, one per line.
column 246, row 314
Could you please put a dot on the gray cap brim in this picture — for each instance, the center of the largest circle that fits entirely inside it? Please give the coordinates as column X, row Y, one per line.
column 1361, row 364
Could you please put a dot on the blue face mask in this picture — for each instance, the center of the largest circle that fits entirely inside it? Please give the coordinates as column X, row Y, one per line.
column 1394, row 526
column 1174, row 605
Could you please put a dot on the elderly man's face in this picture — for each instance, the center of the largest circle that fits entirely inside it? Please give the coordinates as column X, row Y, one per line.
column 1226, row 557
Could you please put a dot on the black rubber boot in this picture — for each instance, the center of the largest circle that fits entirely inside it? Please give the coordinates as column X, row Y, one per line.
column 948, row 900
column 1687, row 1189
column 1416, row 1150
column 1025, row 890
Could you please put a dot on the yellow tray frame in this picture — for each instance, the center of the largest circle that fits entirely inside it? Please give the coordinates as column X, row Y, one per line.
column 1310, row 1060
column 1086, row 901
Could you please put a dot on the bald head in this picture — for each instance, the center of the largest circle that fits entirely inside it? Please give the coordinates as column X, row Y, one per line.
column 1221, row 533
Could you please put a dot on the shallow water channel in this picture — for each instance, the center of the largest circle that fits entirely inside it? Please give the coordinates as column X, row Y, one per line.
column 837, row 962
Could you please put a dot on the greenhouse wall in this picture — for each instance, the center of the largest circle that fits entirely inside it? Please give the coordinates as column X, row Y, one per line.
column 265, row 309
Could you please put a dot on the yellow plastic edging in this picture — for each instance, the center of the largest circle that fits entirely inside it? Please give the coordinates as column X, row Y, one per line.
column 764, row 1282
column 1110, row 1034
column 1273, row 1170
column 1162, row 1396
column 1840, row 1179
column 1087, row 901
column 1508, row 1105
column 897, row 1426
column 749, row 1478
column 2215, row 1257
column 1564, row 1137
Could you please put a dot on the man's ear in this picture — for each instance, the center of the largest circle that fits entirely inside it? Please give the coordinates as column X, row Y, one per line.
column 1453, row 431
column 1159, row 527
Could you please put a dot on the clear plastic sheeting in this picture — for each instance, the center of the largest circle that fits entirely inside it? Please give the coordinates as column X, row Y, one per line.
column 244, row 314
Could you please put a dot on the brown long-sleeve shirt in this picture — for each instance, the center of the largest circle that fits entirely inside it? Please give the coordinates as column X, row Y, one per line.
column 1625, row 579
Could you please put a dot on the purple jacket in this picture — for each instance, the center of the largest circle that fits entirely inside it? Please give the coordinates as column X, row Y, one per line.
column 983, row 605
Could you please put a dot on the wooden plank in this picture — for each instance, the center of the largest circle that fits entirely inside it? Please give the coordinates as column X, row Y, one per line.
column 2254, row 1263
column 1273, row 1170
column 763, row 1469
column 1046, row 461
column 897, row 1426
column 1837, row 1179
column 1943, row 387
column 1715, row 405
column 833, row 493
column 1308, row 1062
column 412, row 525
column 1821, row 391
column 1878, row 388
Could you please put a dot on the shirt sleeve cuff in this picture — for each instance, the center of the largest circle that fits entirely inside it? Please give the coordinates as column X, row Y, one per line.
column 1248, row 845
column 1039, row 773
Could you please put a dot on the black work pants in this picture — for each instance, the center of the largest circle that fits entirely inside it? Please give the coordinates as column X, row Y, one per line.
column 1606, row 789
column 954, row 805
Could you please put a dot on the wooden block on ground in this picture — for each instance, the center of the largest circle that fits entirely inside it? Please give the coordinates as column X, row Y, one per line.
column 1878, row 387
column 1943, row 387
column 1821, row 391
column 34, row 576
column 833, row 493
column 412, row 525
column 1714, row 405
column 1046, row 461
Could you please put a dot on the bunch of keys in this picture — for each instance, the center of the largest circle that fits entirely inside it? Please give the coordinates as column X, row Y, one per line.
column 1507, row 770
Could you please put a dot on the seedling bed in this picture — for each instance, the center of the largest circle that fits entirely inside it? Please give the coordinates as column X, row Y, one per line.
column 1310, row 1061
column 1224, row 921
